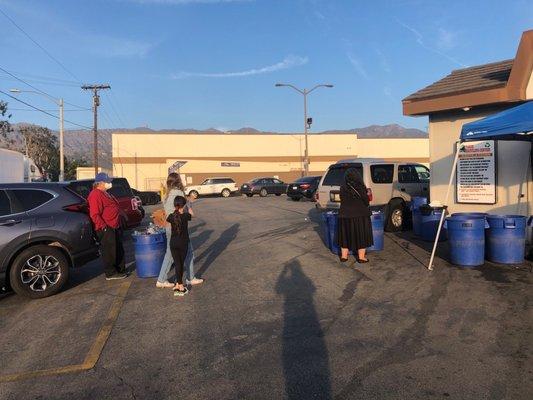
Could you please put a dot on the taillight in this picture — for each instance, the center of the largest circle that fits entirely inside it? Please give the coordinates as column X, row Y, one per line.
column 369, row 194
column 136, row 203
column 316, row 196
column 79, row 207
column 305, row 186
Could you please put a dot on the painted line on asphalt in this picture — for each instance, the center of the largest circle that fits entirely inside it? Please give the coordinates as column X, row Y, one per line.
column 95, row 351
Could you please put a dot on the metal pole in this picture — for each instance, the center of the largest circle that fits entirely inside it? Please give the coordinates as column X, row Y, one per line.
column 454, row 166
column 306, row 157
column 61, row 142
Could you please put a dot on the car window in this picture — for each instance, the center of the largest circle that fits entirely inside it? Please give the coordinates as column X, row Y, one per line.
column 382, row 173
column 207, row 182
column 277, row 181
column 225, row 180
column 422, row 172
column 120, row 188
column 81, row 188
column 407, row 174
column 28, row 199
column 335, row 175
column 5, row 207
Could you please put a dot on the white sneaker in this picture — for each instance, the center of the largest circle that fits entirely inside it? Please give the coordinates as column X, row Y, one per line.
column 194, row 281
column 165, row 284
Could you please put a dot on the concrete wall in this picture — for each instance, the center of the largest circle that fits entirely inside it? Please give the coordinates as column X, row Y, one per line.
column 512, row 163
column 144, row 158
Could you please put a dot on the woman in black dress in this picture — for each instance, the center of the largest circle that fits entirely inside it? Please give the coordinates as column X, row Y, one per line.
column 354, row 230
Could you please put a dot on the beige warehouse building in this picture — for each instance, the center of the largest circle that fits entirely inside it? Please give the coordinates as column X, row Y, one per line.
column 470, row 94
column 144, row 158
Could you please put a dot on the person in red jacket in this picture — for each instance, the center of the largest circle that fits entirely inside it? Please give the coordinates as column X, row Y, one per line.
column 105, row 214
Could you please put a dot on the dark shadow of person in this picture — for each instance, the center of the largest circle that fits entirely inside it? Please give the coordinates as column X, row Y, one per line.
column 216, row 248
column 304, row 351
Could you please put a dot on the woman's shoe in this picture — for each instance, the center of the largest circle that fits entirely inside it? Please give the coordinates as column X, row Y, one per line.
column 362, row 260
column 343, row 259
column 180, row 293
column 194, row 281
column 163, row 285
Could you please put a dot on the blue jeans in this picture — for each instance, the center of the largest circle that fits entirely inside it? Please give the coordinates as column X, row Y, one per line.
column 167, row 261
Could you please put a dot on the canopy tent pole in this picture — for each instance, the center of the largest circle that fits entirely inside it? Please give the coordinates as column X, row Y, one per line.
column 525, row 182
column 445, row 206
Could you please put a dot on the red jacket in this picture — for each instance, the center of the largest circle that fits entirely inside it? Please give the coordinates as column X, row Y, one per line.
column 103, row 209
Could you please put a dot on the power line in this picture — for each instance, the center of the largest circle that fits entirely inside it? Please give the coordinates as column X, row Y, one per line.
column 51, row 110
column 43, row 82
column 41, row 47
column 43, row 111
column 120, row 121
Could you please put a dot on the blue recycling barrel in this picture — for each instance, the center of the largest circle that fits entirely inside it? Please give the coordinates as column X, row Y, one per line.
column 325, row 230
column 506, row 239
column 378, row 233
column 466, row 239
column 417, row 201
column 429, row 223
column 417, row 222
column 470, row 214
column 149, row 253
column 331, row 218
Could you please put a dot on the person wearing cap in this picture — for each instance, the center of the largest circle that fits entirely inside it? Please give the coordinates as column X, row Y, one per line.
column 105, row 214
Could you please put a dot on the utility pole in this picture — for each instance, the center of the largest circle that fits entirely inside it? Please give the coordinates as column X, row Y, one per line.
column 96, row 103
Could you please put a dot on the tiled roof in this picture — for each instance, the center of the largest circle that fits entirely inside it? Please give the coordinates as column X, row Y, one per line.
column 472, row 79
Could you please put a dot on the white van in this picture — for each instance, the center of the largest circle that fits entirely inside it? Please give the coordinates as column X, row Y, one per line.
column 390, row 185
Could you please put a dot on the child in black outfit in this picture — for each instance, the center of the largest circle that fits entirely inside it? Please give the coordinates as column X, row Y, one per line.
column 179, row 240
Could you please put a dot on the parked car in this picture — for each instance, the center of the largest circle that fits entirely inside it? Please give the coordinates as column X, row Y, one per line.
column 121, row 190
column 390, row 184
column 44, row 231
column 147, row 197
column 263, row 187
column 222, row 186
column 303, row 187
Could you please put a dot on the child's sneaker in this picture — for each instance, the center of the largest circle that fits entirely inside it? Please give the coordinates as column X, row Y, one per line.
column 180, row 293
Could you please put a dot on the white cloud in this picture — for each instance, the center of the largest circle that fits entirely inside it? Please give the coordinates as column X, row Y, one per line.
column 183, row 2
column 421, row 41
column 288, row 62
column 358, row 66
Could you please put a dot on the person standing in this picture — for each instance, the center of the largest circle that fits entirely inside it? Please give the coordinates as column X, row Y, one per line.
column 105, row 214
column 175, row 188
column 354, row 229
column 179, row 240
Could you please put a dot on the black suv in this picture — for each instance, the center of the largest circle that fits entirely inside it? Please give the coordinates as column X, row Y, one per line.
column 44, row 230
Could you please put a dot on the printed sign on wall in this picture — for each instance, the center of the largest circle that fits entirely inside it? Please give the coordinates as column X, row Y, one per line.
column 476, row 173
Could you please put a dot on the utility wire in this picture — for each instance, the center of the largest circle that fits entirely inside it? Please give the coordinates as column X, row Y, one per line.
column 43, row 111
column 51, row 110
column 114, row 110
column 41, row 47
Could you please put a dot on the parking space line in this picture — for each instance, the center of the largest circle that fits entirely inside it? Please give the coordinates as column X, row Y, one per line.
column 95, row 351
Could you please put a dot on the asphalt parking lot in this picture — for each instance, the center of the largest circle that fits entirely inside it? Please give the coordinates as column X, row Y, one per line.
column 278, row 317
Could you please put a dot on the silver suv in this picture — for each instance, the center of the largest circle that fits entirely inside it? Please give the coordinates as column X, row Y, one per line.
column 221, row 186
column 390, row 184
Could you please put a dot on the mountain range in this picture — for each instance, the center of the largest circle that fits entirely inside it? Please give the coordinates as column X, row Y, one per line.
column 79, row 143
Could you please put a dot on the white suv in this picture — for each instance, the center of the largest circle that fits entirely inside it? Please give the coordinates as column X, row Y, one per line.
column 222, row 186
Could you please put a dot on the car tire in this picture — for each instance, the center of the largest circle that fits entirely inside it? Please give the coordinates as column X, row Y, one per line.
column 225, row 193
column 40, row 258
column 263, row 192
column 193, row 194
column 295, row 198
column 395, row 217
column 249, row 194
column 278, row 194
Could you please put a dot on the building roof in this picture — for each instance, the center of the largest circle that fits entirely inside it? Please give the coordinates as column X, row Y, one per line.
column 497, row 82
column 470, row 79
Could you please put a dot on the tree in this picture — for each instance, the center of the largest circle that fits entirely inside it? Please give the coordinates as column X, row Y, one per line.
column 40, row 144
column 5, row 126
column 71, row 165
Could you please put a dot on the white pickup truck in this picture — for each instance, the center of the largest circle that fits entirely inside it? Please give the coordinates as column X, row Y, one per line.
column 221, row 186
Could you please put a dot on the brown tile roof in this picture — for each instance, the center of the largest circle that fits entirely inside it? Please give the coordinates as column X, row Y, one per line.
column 480, row 77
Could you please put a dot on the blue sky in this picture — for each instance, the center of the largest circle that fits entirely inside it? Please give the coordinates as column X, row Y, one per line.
column 213, row 63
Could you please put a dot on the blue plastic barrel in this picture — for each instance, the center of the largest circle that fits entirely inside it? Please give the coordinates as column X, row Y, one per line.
column 149, row 253
column 506, row 239
column 429, row 223
column 331, row 217
column 466, row 238
column 325, row 227
column 470, row 215
column 377, row 231
column 417, row 222
column 417, row 201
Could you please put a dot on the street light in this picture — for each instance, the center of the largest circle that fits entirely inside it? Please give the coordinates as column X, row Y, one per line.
column 307, row 122
column 58, row 102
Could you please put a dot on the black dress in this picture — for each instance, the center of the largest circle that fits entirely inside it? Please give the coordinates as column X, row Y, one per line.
column 354, row 228
column 179, row 242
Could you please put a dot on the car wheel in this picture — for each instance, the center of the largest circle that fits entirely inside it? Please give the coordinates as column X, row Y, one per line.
column 278, row 194
column 395, row 217
column 39, row 271
column 249, row 194
column 263, row 192
column 193, row 194
column 295, row 198
column 225, row 193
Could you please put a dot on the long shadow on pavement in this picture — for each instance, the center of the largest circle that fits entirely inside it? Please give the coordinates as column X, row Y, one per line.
column 216, row 248
column 304, row 352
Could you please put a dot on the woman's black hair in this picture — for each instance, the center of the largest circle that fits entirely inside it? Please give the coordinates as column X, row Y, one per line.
column 353, row 182
column 179, row 202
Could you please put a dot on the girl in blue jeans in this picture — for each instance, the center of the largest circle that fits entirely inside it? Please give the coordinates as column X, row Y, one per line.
column 175, row 188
